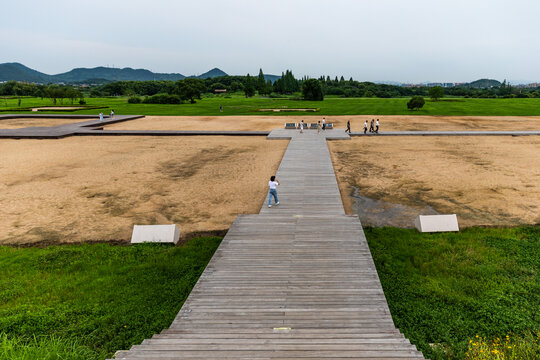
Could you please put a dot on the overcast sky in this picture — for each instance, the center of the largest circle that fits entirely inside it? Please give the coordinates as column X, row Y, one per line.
column 406, row 41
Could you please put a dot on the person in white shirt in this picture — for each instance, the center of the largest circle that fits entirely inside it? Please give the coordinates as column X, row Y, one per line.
column 272, row 184
column 365, row 127
column 323, row 123
column 377, row 126
column 100, row 116
column 112, row 114
column 302, row 127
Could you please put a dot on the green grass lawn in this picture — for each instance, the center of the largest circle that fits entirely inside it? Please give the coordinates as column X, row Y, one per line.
column 87, row 301
column 238, row 105
column 447, row 288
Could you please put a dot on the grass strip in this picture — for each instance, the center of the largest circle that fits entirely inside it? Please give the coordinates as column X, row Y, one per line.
column 93, row 298
column 444, row 289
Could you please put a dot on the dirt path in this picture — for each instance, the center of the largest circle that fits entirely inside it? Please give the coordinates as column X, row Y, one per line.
column 19, row 123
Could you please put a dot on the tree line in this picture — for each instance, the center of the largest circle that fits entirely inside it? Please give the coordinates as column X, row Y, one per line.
column 53, row 92
column 190, row 89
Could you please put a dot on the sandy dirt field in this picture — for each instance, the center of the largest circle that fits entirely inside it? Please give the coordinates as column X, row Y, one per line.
column 387, row 123
column 30, row 122
column 484, row 180
column 94, row 188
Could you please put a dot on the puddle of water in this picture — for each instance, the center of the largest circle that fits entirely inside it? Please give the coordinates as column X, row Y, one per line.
column 379, row 213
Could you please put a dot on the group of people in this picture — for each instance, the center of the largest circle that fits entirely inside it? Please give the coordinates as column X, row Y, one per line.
column 373, row 127
column 320, row 126
column 111, row 116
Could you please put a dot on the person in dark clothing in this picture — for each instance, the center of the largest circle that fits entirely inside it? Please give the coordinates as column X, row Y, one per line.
column 348, row 127
column 371, row 129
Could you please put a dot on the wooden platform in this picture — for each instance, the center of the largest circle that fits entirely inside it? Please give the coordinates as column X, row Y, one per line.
column 296, row 281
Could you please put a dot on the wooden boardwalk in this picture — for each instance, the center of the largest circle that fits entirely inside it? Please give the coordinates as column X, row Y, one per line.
column 296, row 281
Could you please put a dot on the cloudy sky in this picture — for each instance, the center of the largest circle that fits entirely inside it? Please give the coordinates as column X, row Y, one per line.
column 375, row 40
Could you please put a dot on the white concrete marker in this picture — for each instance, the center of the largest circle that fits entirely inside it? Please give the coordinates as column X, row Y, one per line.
column 436, row 223
column 155, row 234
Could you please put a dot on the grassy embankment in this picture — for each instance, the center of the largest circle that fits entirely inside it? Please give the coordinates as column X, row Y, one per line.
column 238, row 105
column 87, row 301
column 445, row 289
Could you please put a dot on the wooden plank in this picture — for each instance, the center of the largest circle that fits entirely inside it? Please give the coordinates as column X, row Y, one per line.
column 295, row 281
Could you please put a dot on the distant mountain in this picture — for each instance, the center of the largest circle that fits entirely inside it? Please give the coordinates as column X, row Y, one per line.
column 98, row 75
column 272, row 78
column 125, row 74
column 483, row 84
column 215, row 72
column 19, row 72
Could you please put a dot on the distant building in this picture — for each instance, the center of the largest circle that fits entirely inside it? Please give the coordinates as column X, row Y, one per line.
column 220, row 91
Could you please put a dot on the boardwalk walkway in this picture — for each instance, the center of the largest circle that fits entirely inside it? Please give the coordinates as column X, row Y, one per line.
column 296, row 281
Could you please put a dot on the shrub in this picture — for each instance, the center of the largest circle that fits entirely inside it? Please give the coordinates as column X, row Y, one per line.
column 416, row 103
column 163, row 99
column 134, row 100
column 82, row 102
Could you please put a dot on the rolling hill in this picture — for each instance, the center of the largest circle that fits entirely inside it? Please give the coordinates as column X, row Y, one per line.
column 19, row 72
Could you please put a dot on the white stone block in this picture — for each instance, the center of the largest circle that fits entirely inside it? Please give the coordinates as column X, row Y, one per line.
column 436, row 223
column 155, row 234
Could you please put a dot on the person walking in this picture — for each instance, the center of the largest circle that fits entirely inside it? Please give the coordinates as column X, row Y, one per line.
column 112, row 114
column 371, row 126
column 323, row 123
column 302, row 127
column 319, row 127
column 220, row 108
column 377, row 126
column 100, row 116
column 365, row 127
column 273, row 184
column 348, row 127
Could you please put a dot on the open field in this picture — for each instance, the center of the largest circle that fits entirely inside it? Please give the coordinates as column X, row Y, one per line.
column 388, row 123
column 445, row 289
column 94, row 188
column 87, row 301
column 484, row 180
column 239, row 105
column 30, row 122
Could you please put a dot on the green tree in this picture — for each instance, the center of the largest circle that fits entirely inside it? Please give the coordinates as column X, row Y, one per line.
column 216, row 86
column 236, row 86
column 436, row 93
column 416, row 103
column 261, row 83
column 312, row 90
column 190, row 89
column 249, row 87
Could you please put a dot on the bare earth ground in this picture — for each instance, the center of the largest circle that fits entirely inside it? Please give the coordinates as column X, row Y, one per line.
column 387, row 123
column 29, row 122
column 50, row 108
column 484, row 180
column 97, row 188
